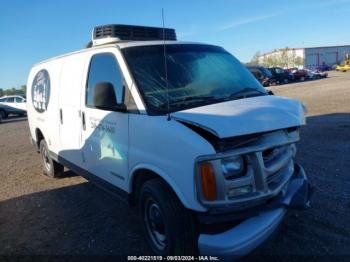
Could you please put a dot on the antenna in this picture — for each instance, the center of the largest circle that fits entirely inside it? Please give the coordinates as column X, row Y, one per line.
column 166, row 69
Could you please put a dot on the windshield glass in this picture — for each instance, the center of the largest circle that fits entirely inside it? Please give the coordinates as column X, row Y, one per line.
column 266, row 71
column 279, row 71
column 197, row 75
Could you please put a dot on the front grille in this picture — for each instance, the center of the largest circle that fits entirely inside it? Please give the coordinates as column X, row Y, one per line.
column 269, row 160
column 280, row 177
column 272, row 156
column 278, row 165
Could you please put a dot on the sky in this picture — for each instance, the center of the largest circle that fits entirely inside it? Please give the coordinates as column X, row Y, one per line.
column 35, row 30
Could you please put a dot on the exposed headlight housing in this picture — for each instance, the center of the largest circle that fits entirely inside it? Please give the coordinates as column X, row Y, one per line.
column 212, row 175
column 233, row 167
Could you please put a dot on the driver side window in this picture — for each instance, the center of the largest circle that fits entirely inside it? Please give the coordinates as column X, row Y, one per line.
column 19, row 100
column 104, row 68
column 10, row 100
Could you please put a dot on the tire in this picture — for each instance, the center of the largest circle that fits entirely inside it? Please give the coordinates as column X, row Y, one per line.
column 50, row 167
column 285, row 81
column 168, row 225
column 302, row 78
column 3, row 114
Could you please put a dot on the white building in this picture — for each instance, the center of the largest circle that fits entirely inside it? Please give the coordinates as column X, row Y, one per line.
column 308, row 57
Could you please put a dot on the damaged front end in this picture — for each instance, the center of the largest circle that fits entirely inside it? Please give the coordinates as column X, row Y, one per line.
column 267, row 169
column 252, row 200
column 249, row 204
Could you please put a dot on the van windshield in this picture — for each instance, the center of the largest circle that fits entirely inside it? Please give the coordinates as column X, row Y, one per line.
column 196, row 75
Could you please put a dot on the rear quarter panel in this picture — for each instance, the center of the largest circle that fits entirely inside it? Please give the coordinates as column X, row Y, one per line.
column 47, row 121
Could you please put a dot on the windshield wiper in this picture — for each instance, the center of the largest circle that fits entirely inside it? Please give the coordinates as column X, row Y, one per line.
column 244, row 92
column 187, row 99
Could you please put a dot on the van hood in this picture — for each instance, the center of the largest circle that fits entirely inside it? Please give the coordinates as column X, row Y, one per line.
column 245, row 116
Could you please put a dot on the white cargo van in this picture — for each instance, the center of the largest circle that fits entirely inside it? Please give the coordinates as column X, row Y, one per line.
column 181, row 129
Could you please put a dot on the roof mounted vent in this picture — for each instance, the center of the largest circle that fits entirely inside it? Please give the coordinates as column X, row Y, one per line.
column 107, row 34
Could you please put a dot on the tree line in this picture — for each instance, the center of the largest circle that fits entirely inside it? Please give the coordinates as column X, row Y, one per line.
column 284, row 58
column 13, row 91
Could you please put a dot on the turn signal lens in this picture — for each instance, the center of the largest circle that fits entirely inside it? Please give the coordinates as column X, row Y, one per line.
column 208, row 181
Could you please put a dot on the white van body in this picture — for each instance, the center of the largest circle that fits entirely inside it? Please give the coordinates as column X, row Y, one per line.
column 115, row 146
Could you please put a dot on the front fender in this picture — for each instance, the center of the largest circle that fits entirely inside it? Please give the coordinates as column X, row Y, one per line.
column 164, row 176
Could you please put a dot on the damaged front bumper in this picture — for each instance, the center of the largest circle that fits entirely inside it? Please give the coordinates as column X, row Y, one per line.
column 251, row 232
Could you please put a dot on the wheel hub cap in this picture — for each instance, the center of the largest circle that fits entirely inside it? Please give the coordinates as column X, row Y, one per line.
column 155, row 224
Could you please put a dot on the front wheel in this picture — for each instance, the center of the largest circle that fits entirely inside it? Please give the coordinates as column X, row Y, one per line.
column 50, row 167
column 169, row 226
column 3, row 114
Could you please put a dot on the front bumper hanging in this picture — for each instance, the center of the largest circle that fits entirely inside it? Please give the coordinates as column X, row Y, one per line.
column 249, row 234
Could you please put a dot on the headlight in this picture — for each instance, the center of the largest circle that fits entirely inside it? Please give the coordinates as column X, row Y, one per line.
column 233, row 167
column 213, row 173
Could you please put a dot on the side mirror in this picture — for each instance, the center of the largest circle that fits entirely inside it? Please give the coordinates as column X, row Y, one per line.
column 105, row 97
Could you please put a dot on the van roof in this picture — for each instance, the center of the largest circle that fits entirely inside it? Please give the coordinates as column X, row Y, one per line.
column 121, row 45
column 156, row 42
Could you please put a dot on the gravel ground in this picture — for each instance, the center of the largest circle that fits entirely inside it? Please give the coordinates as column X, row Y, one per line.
column 69, row 216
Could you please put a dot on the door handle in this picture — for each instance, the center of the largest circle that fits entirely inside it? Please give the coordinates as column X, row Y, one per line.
column 83, row 120
column 61, row 116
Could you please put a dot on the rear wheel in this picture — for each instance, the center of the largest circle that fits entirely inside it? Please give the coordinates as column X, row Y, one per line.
column 169, row 226
column 50, row 167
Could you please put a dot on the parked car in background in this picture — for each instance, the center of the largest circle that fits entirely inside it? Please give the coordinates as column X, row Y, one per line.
column 281, row 76
column 315, row 74
column 342, row 68
column 298, row 74
column 262, row 74
column 345, row 66
column 15, row 104
column 323, row 67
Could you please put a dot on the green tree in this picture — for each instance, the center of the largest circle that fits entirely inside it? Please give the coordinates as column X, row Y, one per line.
column 299, row 61
column 284, row 58
column 13, row 91
column 255, row 59
column 23, row 89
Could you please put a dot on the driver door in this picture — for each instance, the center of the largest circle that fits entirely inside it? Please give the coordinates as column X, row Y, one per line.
column 105, row 133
